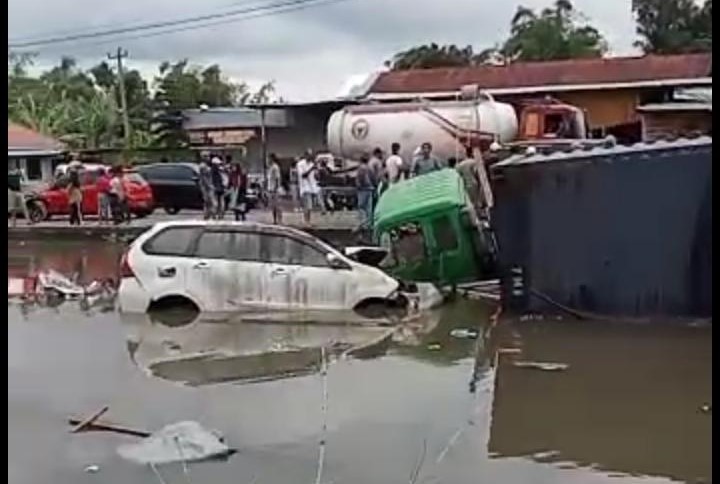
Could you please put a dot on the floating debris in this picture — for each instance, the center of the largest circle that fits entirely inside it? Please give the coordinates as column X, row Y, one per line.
column 92, row 469
column 179, row 442
column 434, row 347
column 546, row 455
column 90, row 420
column 509, row 351
column 463, row 333
column 538, row 365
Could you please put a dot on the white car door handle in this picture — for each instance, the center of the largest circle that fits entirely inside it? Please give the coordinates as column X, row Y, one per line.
column 167, row 272
column 201, row 266
column 280, row 271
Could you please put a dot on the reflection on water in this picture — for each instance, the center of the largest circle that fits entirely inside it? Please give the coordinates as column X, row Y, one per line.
column 207, row 351
column 88, row 260
column 629, row 402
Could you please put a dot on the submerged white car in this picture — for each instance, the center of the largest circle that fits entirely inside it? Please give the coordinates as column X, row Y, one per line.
column 231, row 266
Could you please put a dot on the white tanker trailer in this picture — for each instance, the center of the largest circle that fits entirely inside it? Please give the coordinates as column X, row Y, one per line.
column 449, row 126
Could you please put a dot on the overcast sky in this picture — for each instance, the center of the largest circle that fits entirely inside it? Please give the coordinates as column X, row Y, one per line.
column 309, row 53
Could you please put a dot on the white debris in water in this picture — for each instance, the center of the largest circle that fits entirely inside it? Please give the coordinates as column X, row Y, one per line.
column 549, row 454
column 52, row 279
column 92, row 469
column 539, row 365
column 428, row 296
column 179, row 442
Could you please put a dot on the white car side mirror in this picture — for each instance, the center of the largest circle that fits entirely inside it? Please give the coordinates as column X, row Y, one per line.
column 336, row 262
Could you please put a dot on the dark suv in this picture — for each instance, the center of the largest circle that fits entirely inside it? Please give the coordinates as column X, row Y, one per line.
column 176, row 186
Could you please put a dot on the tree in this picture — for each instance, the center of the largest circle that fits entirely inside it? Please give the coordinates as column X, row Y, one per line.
column 180, row 86
column 555, row 33
column 81, row 107
column 431, row 56
column 137, row 94
column 673, row 26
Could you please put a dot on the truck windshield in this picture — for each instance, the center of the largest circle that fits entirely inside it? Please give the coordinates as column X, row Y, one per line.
column 405, row 244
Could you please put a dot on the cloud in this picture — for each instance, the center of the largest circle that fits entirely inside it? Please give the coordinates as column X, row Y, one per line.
column 309, row 53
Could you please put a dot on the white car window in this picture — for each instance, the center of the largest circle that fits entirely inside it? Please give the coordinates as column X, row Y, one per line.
column 172, row 241
column 286, row 250
column 214, row 245
column 229, row 245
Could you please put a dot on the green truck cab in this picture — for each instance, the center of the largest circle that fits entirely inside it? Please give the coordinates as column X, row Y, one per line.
column 431, row 231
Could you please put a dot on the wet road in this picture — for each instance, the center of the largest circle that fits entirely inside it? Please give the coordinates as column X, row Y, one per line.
column 627, row 408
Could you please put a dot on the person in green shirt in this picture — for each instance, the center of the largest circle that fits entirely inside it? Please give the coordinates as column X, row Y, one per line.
column 426, row 162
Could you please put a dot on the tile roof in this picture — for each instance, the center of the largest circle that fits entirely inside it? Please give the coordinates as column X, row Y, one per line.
column 574, row 72
column 22, row 138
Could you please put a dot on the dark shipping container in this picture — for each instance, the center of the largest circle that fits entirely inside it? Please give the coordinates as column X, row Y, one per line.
column 624, row 231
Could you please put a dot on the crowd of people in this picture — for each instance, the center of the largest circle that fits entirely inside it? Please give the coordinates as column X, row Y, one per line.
column 376, row 172
column 308, row 177
column 223, row 184
column 112, row 199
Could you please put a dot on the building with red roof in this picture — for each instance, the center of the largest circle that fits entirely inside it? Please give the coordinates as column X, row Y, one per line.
column 32, row 152
column 609, row 89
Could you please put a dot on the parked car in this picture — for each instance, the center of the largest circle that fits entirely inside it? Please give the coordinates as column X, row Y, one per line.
column 176, row 186
column 54, row 200
column 231, row 266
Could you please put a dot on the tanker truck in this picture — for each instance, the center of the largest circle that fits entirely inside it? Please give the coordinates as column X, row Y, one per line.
column 450, row 126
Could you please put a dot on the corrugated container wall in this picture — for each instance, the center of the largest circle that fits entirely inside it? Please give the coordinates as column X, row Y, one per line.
column 624, row 231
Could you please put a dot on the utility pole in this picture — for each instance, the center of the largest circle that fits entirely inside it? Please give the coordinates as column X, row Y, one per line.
column 119, row 56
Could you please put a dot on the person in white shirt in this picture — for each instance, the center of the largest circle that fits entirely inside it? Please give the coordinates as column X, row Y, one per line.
column 474, row 174
column 394, row 166
column 307, row 184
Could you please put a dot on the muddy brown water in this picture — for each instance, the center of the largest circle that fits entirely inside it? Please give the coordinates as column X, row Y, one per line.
column 627, row 409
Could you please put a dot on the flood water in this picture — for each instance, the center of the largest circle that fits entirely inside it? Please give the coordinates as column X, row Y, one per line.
column 626, row 409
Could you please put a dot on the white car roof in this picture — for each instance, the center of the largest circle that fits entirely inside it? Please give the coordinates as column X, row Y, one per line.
column 222, row 223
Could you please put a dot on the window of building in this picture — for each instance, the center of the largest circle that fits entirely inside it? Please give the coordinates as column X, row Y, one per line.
column 33, row 170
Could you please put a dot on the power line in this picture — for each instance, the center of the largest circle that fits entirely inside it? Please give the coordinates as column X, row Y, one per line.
column 288, row 6
column 94, row 28
column 155, row 25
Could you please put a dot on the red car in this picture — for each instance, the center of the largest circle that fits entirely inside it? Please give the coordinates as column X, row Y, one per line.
column 55, row 201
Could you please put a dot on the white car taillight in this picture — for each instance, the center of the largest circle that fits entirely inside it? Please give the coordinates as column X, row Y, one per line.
column 125, row 269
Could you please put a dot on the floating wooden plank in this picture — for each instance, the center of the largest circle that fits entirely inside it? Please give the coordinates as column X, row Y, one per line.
column 109, row 427
column 92, row 418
